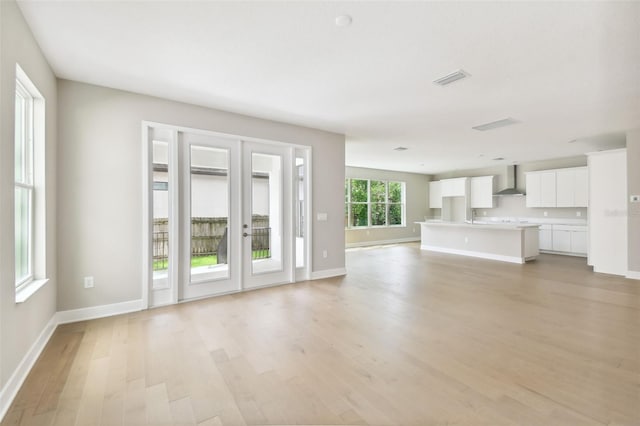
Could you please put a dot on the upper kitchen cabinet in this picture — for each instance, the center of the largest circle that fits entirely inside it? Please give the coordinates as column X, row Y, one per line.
column 456, row 187
column 482, row 192
column 541, row 189
column 558, row 188
column 435, row 194
column 572, row 187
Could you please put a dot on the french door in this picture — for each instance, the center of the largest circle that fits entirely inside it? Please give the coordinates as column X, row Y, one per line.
column 222, row 214
column 267, row 192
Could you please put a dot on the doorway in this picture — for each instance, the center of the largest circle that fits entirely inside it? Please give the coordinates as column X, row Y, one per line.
column 222, row 214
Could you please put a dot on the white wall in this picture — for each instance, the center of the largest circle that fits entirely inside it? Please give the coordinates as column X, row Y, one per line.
column 633, row 188
column 100, row 181
column 417, row 196
column 608, row 233
column 21, row 324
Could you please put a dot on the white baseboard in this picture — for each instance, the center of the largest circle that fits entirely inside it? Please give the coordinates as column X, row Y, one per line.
column 564, row 253
column 11, row 388
column 490, row 256
column 101, row 311
column 382, row 242
column 633, row 275
column 328, row 273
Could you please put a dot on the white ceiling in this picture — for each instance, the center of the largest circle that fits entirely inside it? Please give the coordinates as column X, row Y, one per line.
column 567, row 71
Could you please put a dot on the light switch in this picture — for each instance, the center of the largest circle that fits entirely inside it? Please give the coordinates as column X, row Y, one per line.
column 322, row 217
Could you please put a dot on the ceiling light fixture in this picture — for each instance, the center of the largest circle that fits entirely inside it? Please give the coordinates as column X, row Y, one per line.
column 451, row 77
column 400, row 148
column 343, row 21
column 495, row 124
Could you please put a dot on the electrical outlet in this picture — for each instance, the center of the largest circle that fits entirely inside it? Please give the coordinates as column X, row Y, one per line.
column 324, row 254
column 88, row 282
column 484, row 213
column 578, row 214
column 466, row 240
column 545, row 214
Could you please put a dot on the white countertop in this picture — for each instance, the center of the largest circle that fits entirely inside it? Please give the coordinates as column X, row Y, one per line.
column 536, row 220
column 497, row 226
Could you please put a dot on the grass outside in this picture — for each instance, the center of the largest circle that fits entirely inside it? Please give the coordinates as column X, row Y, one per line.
column 163, row 264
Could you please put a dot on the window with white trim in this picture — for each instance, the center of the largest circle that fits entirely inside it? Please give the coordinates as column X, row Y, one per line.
column 29, row 205
column 374, row 203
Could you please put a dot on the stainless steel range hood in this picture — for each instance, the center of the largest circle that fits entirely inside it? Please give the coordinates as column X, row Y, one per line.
column 511, row 188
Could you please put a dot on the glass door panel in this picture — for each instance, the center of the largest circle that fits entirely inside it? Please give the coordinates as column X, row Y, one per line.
column 268, row 230
column 210, row 258
column 301, row 223
column 266, row 214
column 160, row 244
column 209, row 184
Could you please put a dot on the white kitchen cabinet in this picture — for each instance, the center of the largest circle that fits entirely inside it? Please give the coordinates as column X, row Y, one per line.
column 547, row 189
column 565, row 182
column 579, row 242
column 435, row 194
column 569, row 239
column 541, row 189
column 561, row 240
column 558, row 188
column 572, row 187
column 481, row 192
column 545, row 237
column 533, row 190
column 456, row 187
column 581, row 188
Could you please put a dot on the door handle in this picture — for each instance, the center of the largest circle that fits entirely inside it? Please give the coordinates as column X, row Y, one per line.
column 244, row 234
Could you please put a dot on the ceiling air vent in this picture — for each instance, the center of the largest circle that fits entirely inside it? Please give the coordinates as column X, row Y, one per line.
column 400, row 148
column 495, row 124
column 450, row 78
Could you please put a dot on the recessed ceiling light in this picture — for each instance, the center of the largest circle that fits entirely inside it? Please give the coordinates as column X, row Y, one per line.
column 495, row 124
column 400, row 148
column 451, row 77
column 343, row 20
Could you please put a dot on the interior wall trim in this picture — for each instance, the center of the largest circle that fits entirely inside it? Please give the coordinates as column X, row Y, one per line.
column 101, row 311
column 633, row 275
column 13, row 385
column 383, row 242
column 328, row 273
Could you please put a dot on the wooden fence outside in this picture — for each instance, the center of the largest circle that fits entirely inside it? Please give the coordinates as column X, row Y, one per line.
column 206, row 233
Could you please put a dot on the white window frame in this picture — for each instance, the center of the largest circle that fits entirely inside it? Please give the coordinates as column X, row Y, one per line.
column 369, row 203
column 33, row 180
column 25, row 182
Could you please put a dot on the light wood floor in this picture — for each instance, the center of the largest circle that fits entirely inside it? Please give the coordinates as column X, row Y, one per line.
column 408, row 337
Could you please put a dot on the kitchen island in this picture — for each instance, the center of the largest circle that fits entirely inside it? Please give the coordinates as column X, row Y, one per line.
column 507, row 242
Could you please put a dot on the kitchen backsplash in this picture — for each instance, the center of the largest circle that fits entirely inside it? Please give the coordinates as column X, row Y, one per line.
column 515, row 207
